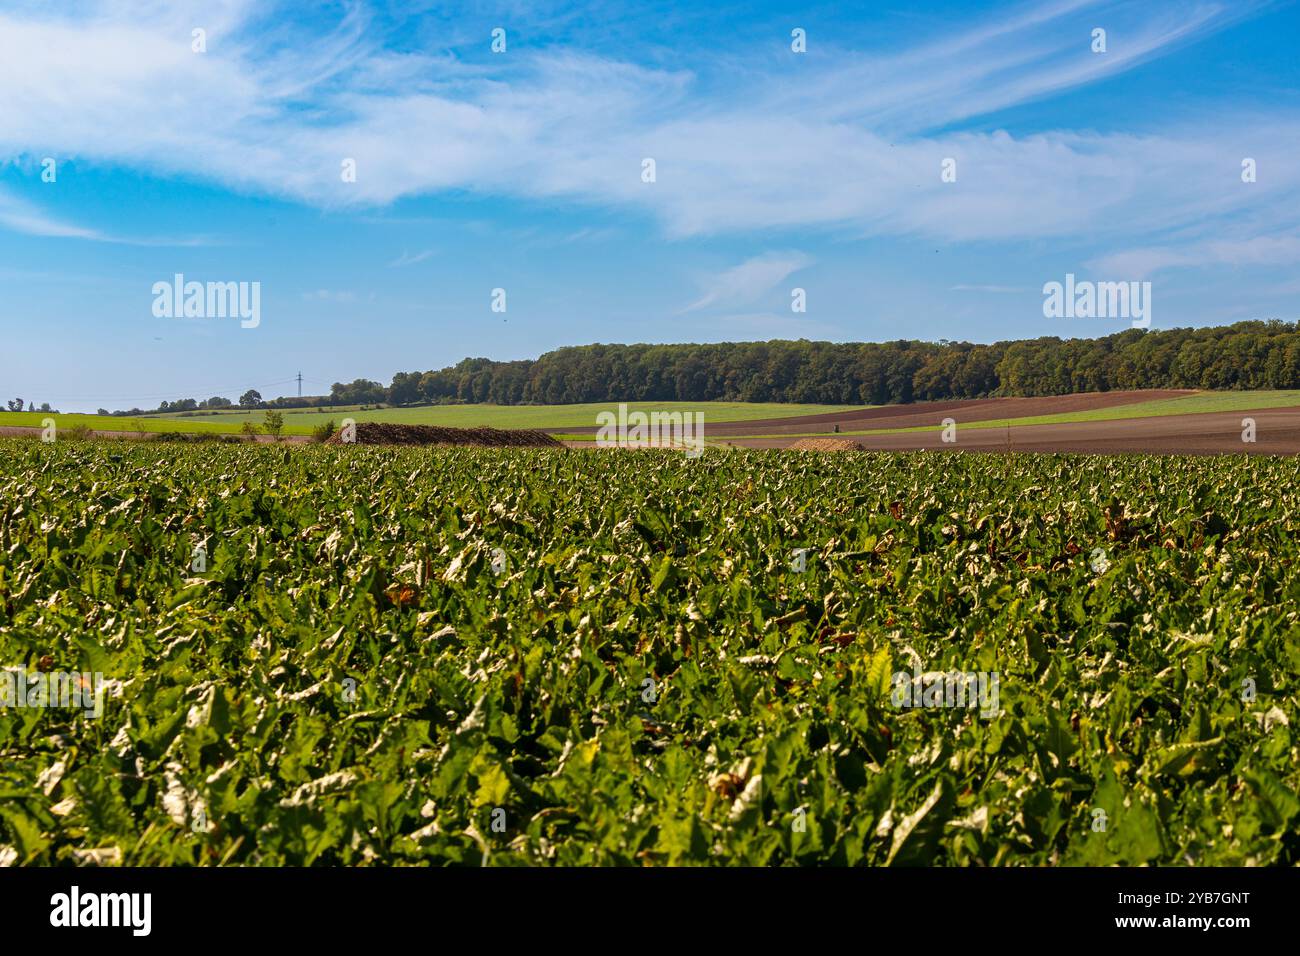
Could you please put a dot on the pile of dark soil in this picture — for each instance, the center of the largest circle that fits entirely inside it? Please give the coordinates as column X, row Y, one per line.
column 383, row 433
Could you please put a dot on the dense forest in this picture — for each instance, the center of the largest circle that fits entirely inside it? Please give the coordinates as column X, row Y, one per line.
column 1248, row 355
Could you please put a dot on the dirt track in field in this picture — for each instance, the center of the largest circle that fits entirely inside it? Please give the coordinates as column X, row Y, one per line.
column 1277, row 432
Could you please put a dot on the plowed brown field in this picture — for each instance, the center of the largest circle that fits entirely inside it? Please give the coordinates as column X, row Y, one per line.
column 1277, row 432
column 931, row 413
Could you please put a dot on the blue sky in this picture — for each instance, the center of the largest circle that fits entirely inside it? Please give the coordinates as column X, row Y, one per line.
column 522, row 170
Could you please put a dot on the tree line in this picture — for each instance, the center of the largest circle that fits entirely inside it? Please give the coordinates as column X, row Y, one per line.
column 16, row 405
column 1247, row 355
column 250, row 400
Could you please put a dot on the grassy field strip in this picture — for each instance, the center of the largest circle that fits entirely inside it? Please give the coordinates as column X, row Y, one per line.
column 147, row 425
column 1190, row 405
column 455, row 416
column 517, row 416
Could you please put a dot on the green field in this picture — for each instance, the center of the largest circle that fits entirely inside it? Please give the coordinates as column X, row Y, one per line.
column 492, row 657
column 301, row 422
column 532, row 416
column 112, row 423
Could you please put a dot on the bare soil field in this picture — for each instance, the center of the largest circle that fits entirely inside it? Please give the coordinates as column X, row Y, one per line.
column 930, row 413
column 1277, row 432
column 926, row 413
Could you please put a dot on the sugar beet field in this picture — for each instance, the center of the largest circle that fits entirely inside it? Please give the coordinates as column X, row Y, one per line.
column 365, row 655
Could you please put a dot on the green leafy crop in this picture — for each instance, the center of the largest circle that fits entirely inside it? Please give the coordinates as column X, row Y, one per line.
column 325, row 656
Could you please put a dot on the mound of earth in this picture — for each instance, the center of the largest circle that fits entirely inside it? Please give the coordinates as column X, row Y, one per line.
column 384, row 433
column 826, row 444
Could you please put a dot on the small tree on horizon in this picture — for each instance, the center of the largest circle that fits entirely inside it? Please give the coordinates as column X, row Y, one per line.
column 273, row 424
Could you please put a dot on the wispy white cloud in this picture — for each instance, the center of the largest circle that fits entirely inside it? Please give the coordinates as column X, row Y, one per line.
column 25, row 218
column 1140, row 263
column 852, row 146
column 1012, row 57
column 410, row 259
column 746, row 283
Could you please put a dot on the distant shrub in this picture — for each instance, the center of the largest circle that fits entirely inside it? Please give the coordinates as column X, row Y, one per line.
column 323, row 433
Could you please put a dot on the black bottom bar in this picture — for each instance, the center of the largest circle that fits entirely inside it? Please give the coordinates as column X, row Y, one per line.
column 334, row 907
